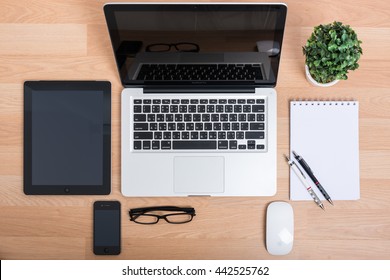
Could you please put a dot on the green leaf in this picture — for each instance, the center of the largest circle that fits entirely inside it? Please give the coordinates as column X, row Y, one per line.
column 331, row 51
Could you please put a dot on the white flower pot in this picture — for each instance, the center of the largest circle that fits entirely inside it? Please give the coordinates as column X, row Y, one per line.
column 315, row 83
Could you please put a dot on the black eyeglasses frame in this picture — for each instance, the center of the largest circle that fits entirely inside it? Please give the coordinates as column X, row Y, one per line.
column 175, row 45
column 136, row 212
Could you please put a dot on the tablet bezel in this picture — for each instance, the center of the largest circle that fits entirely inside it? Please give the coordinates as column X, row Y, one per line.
column 28, row 187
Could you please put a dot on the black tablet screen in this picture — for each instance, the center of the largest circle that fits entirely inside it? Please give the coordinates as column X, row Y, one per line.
column 67, row 137
column 67, row 142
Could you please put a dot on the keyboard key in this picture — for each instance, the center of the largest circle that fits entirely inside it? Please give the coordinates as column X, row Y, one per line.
column 165, row 145
column 251, row 144
column 153, row 126
column 143, row 135
column 195, row 145
column 237, row 108
column 194, row 135
column 208, row 126
column 176, row 135
column 155, row 145
column 139, row 117
column 260, row 101
column 147, row 101
column 185, row 135
column 178, row 117
column 260, row 147
column 231, row 135
column 212, row 135
column 146, row 145
column 162, row 126
column 210, row 108
column 247, row 108
column 198, row 126
column 254, row 135
column 256, row 126
column 146, row 109
column 223, row 144
column 171, row 126
column 137, row 145
column 242, row 147
column 180, row 126
column 258, row 108
column 160, row 117
column 141, row 126
column 137, row 101
column 222, row 135
column 137, row 109
column 233, row 144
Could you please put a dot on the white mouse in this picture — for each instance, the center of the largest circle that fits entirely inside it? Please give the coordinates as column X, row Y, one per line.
column 280, row 228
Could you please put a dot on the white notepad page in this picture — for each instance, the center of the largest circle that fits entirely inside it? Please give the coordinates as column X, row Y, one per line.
column 326, row 135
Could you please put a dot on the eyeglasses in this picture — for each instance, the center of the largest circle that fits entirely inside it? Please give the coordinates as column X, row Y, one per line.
column 151, row 215
column 180, row 47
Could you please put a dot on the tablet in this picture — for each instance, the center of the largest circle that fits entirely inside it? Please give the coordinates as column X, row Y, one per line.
column 67, row 137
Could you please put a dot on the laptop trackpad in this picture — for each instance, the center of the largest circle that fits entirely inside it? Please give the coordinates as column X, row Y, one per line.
column 199, row 174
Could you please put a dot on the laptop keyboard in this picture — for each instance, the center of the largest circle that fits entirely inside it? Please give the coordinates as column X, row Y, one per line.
column 200, row 72
column 163, row 124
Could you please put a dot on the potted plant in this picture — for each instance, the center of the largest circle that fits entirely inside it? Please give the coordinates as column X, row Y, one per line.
column 331, row 51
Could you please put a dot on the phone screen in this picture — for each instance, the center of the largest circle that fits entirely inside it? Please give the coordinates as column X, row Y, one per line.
column 106, row 228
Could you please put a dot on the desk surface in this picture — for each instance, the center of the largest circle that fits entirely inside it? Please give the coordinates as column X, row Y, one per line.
column 65, row 40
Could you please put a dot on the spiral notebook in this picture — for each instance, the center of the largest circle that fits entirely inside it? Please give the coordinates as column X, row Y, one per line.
column 326, row 135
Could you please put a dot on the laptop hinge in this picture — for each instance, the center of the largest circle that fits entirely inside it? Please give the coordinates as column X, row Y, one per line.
column 199, row 90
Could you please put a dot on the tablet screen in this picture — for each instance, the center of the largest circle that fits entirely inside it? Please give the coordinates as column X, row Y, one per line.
column 66, row 139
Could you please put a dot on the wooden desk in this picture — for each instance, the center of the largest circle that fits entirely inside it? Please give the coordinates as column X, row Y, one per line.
column 68, row 40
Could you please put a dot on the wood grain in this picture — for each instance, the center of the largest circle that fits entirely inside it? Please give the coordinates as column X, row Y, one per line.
column 66, row 40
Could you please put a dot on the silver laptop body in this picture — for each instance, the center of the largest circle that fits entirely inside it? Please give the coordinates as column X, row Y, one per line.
column 185, row 131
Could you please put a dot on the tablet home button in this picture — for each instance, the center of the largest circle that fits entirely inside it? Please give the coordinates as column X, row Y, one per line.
column 106, row 250
column 67, row 190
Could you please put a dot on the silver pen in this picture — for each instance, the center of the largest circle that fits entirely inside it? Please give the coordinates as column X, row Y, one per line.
column 302, row 178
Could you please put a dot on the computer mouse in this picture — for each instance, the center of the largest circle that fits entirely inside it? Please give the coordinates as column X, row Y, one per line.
column 279, row 228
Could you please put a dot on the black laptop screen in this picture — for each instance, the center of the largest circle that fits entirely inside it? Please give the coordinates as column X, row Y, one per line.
column 204, row 29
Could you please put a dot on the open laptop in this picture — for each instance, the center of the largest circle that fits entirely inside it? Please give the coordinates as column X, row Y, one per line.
column 199, row 104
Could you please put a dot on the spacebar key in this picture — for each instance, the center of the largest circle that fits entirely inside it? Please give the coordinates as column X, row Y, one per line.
column 194, row 145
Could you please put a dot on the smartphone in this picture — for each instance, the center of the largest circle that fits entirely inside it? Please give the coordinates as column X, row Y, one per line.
column 106, row 228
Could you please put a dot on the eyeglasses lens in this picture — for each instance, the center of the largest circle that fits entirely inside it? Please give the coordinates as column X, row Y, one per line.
column 179, row 218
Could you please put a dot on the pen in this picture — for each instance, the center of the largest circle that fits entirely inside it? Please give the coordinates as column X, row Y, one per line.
column 306, row 167
column 302, row 178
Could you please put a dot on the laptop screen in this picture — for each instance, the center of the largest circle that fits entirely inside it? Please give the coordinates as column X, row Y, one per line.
column 155, row 31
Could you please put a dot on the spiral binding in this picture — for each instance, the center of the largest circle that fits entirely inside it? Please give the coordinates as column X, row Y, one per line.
column 318, row 102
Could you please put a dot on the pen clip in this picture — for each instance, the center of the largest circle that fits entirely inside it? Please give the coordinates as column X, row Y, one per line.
column 296, row 165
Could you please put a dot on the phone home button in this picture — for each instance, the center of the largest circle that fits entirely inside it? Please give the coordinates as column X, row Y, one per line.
column 66, row 190
column 106, row 250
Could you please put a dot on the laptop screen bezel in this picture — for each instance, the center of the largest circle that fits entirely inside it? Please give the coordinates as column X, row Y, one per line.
column 111, row 8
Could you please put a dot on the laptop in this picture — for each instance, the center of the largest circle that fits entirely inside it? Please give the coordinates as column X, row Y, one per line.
column 198, row 108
